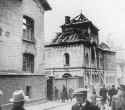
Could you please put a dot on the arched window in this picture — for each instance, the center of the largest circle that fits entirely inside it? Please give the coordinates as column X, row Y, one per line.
column 66, row 56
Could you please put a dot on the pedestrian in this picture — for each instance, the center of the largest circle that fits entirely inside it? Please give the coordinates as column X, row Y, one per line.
column 81, row 101
column 18, row 99
column 92, row 97
column 70, row 93
column 56, row 93
column 118, row 101
column 65, row 94
column 112, row 91
column 103, row 93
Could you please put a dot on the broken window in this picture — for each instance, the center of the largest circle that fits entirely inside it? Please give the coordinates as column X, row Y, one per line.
column 28, row 62
column 28, row 28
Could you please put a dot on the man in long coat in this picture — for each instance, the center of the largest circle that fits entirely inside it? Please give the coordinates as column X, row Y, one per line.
column 81, row 101
column 118, row 101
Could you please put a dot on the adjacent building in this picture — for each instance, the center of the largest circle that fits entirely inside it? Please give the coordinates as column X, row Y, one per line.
column 21, row 48
column 76, row 52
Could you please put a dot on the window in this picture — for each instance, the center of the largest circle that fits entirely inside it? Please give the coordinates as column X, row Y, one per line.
column 66, row 56
column 28, row 62
column 1, row 31
column 28, row 29
column 28, row 91
column 86, row 59
column 93, row 54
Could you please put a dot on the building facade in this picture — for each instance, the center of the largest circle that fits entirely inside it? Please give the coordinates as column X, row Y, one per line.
column 21, row 47
column 76, row 51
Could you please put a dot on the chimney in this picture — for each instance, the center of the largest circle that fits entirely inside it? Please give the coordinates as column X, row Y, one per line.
column 67, row 19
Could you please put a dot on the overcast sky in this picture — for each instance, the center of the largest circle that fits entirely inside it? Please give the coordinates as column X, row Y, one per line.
column 107, row 15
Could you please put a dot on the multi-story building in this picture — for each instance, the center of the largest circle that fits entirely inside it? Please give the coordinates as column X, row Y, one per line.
column 21, row 48
column 76, row 51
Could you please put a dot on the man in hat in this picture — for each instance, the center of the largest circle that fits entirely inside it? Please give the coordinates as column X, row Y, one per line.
column 81, row 101
column 118, row 101
column 18, row 99
column 111, row 92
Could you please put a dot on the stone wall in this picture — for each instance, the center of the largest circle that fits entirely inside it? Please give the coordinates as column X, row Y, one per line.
column 12, row 48
column 54, row 56
column 11, row 44
column 8, row 84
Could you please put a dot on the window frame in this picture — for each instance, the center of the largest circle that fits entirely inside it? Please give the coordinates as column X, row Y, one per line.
column 66, row 59
column 28, row 62
column 28, row 29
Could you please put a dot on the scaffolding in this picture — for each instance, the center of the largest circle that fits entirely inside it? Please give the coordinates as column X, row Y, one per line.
column 91, row 76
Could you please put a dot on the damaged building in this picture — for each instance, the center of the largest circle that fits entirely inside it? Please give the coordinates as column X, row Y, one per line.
column 75, row 58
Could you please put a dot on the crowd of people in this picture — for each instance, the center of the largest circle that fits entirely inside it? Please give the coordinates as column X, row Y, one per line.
column 107, row 99
column 104, row 99
column 64, row 94
column 86, row 98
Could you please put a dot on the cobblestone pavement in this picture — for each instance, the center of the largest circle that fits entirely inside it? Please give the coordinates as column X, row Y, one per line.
column 55, row 105
column 47, row 105
column 63, row 107
column 69, row 105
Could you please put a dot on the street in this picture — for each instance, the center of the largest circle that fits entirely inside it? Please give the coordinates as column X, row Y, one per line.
column 50, row 105
column 66, row 106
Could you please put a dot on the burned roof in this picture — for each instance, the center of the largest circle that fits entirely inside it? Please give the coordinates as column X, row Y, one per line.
column 73, row 36
column 45, row 5
column 105, row 48
column 80, row 19
column 75, row 30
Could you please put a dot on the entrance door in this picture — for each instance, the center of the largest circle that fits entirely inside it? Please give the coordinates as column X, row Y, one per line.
column 50, row 88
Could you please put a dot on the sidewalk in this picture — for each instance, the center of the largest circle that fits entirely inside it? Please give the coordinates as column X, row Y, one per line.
column 46, row 105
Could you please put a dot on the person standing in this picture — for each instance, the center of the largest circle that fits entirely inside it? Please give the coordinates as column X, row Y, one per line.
column 103, row 93
column 56, row 93
column 81, row 101
column 70, row 93
column 118, row 101
column 112, row 92
column 18, row 99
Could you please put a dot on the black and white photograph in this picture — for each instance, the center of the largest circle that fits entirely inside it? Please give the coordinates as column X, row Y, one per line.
column 62, row 55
